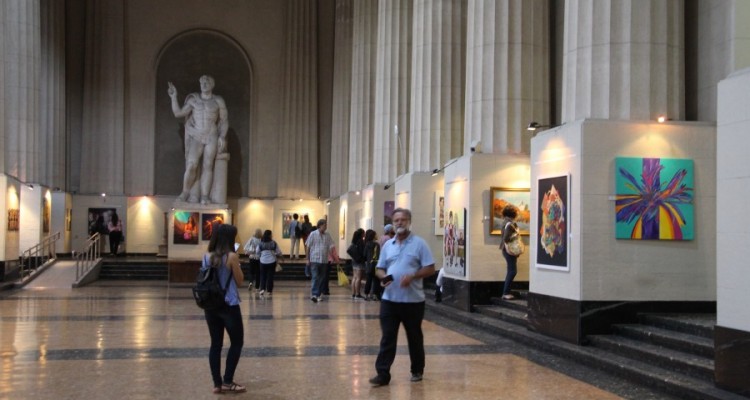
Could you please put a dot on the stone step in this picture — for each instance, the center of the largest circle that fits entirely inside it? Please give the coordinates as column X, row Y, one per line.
column 694, row 324
column 504, row 313
column 672, row 339
column 518, row 304
column 690, row 364
column 670, row 382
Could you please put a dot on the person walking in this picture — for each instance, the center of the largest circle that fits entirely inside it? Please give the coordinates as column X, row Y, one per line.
column 404, row 263
column 294, row 228
column 372, row 254
column 356, row 251
column 269, row 251
column 306, row 228
column 252, row 249
column 115, row 233
column 221, row 256
column 319, row 245
column 510, row 212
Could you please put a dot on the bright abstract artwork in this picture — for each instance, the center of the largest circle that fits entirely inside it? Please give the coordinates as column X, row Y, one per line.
column 552, row 223
column 654, row 198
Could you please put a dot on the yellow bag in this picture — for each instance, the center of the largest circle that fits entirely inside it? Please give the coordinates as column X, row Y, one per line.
column 343, row 279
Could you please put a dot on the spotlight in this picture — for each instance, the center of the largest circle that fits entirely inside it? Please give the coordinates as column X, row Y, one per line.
column 534, row 126
column 435, row 171
column 661, row 119
column 387, row 187
column 104, row 195
column 30, row 186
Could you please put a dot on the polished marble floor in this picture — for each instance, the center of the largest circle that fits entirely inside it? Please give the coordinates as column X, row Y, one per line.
column 148, row 340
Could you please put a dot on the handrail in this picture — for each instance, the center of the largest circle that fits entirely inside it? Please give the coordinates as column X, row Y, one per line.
column 87, row 259
column 39, row 254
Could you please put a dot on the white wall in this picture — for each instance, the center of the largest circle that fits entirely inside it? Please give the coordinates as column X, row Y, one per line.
column 416, row 191
column 485, row 260
column 733, row 190
column 30, row 217
column 601, row 267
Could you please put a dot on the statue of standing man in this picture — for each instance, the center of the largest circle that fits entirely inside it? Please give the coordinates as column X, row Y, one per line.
column 206, row 126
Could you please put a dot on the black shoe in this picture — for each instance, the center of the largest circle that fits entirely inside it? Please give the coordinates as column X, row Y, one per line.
column 378, row 381
column 416, row 377
column 438, row 296
column 314, row 299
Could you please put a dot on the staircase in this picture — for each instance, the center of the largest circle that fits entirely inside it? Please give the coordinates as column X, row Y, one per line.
column 133, row 270
column 672, row 353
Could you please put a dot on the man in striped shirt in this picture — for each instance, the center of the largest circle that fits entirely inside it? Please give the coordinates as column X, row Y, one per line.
column 319, row 246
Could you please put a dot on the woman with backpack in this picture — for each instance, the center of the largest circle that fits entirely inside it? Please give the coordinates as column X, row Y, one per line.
column 356, row 251
column 509, row 229
column 228, row 316
column 372, row 254
column 269, row 251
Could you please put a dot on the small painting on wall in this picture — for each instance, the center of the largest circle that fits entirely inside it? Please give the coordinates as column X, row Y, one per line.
column 654, row 199
column 439, row 213
column 501, row 197
column 13, row 219
column 388, row 207
column 552, row 223
column 209, row 222
column 454, row 242
column 99, row 220
column 186, row 227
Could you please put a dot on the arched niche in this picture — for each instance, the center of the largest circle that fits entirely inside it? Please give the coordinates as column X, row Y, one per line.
column 182, row 61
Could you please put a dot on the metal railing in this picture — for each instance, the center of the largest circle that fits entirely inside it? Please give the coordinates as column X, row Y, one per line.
column 38, row 254
column 87, row 259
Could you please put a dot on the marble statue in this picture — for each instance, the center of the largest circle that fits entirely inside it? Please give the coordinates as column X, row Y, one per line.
column 206, row 126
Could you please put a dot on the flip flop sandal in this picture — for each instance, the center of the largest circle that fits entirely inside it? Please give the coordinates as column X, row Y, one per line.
column 232, row 388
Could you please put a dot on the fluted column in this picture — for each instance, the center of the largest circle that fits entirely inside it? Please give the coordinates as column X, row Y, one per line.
column 52, row 110
column 507, row 74
column 20, row 83
column 102, row 167
column 392, row 85
column 623, row 60
column 342, row 83
column 362, row 123
column 298, row 168
column 437, row 96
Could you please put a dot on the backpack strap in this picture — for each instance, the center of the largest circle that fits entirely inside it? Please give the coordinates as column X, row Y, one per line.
column 229, row 278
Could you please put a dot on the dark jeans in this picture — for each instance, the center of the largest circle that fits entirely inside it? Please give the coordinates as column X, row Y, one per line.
column 512, row 262
column 254, row 275
column 316, row 270
column 229, row 318
column 326, row 273
column 267, row 271
column 391, row 316
column 114, row 241
column 372, row 285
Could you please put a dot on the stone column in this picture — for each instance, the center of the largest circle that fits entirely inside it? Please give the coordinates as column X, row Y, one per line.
column 342, row 83
column 298, row 151
column 362, row 122
column 437, row 95
column 507, row 73
column 21, row 55
column 392, row 84
column 52, row 109
column 102, row 160
column 623, row 60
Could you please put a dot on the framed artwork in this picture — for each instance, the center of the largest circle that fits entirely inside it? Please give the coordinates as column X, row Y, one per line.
column 388, row 208
column 13, row 219
column 186, row 227
column 454, row 242
column 46, row 214
column 654, row 199
column 438, row 214
column 501, row 197
column 68, row 218
column 99, row 219
column 342, row 227
column 286, row 222
column 209, row 222
column 553, row 223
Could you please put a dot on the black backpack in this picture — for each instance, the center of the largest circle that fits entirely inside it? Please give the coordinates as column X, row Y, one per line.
column 356, row 253
column 298, row 232
column 208, row 292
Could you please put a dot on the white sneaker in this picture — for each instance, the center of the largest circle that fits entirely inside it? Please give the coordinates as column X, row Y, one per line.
column 268, row 295
column 262, row 292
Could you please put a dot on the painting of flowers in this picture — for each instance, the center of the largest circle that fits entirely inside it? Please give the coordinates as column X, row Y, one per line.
column 552, row 224
column 654, row 199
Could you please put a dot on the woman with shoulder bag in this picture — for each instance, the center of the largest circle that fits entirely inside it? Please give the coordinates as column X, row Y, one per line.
column 221, row 256
column 252, row 250
column 269, row 251
column 356, row 251
column 509, row 230
column 372, row 254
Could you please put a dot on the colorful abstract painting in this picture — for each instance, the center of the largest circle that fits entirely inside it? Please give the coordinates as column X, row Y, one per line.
column 185, row 227
column 552, row 223
column 209, row 222
column 454, row 242
column 501, row 197
column 654, row 199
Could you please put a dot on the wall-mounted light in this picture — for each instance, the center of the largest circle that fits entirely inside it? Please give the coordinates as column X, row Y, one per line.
column 104, row 195
column 30, row 186
column 357, row 192
column 533, row 126
column 435, row 171
column 386, row 187
column 328, row 203
column 439, row 170
column 661, row 119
